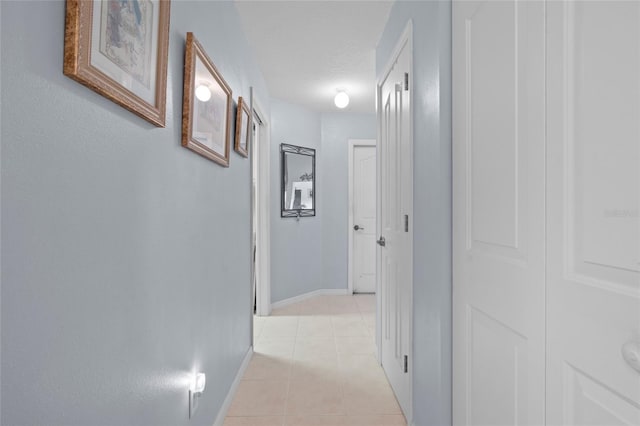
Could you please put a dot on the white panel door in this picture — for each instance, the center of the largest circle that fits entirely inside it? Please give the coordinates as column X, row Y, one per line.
column 364, row 218
column 593, row 181
column 395, row 208
column 498, row 204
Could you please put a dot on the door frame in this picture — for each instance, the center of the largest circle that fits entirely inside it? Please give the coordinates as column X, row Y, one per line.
column 406, row 39
column 262, row 272
column 353, row 143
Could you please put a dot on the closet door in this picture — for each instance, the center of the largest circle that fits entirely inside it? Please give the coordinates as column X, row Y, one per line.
column 498, row 223
column 593, row 235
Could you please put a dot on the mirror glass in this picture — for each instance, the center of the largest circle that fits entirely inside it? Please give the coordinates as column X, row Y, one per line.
column 297, row 187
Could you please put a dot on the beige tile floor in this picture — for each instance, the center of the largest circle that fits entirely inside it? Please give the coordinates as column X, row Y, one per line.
column 314, row 365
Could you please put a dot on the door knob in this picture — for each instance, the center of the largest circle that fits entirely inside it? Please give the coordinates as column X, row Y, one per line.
column 631, row 354
column 357, row 227
column 381, row 241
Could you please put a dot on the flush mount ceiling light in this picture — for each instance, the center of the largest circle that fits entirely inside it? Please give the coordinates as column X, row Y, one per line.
column 342, row 99
column 203, row 93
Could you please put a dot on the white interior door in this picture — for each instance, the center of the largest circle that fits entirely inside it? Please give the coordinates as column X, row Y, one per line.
column 498, row 204
column 593, row 257
column 362, row 224
column 396, row 252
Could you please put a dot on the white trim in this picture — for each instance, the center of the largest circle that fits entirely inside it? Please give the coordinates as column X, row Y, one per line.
column 352, row 145
column 263, row 234
column 305, row 296
column 406, row 39
column 222, row 413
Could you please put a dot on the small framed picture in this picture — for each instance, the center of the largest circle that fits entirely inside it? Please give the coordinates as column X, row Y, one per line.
column 119, row 48
column 206, row 107
column 243, row 128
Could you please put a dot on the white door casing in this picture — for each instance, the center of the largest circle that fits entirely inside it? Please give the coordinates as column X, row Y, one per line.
column 498, row 205
column 362, row 214
column 593, row 231
column 262, row 199
column 254, row 146
column 395, row 222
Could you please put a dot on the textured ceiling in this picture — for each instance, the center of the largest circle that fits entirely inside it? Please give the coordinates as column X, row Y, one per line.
column 308, row 49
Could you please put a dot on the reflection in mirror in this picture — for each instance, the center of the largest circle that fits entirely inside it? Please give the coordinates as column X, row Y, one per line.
column 297, row 186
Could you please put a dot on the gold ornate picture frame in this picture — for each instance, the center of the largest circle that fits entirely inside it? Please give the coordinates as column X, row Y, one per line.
column 243, row 128
column 206, row 105
column 119, row 48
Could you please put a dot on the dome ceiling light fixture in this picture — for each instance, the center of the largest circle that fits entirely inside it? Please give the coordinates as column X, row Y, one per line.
column 342, row 99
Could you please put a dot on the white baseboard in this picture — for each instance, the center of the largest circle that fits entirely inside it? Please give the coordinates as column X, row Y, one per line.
column 300, row 298
column 232, row 390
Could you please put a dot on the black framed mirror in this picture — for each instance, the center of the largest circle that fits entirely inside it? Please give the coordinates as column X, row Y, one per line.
column 297, row 182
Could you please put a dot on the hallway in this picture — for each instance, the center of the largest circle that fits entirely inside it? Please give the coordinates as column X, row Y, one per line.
column 314, row 364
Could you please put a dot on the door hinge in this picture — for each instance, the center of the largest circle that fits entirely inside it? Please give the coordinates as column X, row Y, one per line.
column 406, row 81
column 406, row 363
column 406, row 223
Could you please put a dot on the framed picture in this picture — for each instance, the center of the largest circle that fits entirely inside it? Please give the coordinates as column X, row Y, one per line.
column 119, row 48
column 243, row 129
column 206, row 107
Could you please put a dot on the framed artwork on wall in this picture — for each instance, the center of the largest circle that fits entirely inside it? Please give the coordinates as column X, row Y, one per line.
column 206, row 106
column 243, row 128
column 119, row 48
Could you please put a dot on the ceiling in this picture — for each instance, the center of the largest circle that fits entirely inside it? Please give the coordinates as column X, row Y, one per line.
column 309, row 49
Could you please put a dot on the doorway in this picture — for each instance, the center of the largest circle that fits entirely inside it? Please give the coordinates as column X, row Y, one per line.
column 260, row 230
column 362, row 216
column 395, row 222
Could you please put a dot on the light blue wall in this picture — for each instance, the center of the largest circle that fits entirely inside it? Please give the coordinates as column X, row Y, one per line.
column 296, row 246
column 312, row 254
column 431, row 79
column 125, row 261
column 337, row 129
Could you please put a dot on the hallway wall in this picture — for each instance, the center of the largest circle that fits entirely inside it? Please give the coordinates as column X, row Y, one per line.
column 296, row 246
column 337, row 129
column 125, row 257
column 312, row 254
column 432, row 200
